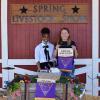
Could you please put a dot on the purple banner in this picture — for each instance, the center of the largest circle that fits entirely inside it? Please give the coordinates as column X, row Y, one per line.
column 45, row 90
column 66, row 63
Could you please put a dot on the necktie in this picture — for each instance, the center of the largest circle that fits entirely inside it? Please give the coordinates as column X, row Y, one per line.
column 46, row 52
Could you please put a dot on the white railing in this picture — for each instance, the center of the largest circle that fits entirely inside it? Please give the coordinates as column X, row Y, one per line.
column 87, row 69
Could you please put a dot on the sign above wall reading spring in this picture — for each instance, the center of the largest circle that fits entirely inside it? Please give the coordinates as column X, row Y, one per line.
column 49, row 13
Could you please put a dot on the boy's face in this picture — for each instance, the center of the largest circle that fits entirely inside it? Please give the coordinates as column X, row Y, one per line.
column 45, row 37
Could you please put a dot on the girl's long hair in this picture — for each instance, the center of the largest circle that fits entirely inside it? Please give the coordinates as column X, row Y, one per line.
column 69, row 38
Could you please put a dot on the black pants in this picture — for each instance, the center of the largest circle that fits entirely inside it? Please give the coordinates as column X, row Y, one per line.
column 46, row 65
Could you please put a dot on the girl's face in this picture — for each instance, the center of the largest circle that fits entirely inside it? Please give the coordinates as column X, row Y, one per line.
column 64, row 35
column 45, row 37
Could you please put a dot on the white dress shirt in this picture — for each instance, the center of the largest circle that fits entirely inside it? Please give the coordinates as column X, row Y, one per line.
column 40, row 55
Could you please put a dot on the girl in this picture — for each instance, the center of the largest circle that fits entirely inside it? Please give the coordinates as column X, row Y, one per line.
column 66, row 42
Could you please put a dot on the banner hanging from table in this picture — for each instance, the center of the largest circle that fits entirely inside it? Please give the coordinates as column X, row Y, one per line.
column 45, row 90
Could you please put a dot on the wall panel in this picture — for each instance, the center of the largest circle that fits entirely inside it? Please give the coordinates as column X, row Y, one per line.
column 22, row 38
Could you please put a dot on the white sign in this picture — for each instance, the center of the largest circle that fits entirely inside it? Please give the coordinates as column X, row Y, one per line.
column 65, row 52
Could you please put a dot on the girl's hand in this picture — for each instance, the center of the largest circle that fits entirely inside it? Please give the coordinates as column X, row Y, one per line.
column 56, row 50
column 73, row 47
column 57, row 46
column 75, row 50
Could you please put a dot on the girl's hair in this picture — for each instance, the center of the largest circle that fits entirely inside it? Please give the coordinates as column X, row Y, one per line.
column 60, row 39
column 45, row 30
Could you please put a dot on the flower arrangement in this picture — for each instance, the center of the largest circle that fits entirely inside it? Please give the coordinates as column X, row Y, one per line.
column 14, row 87
column 76, row 87
column 15, row 84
